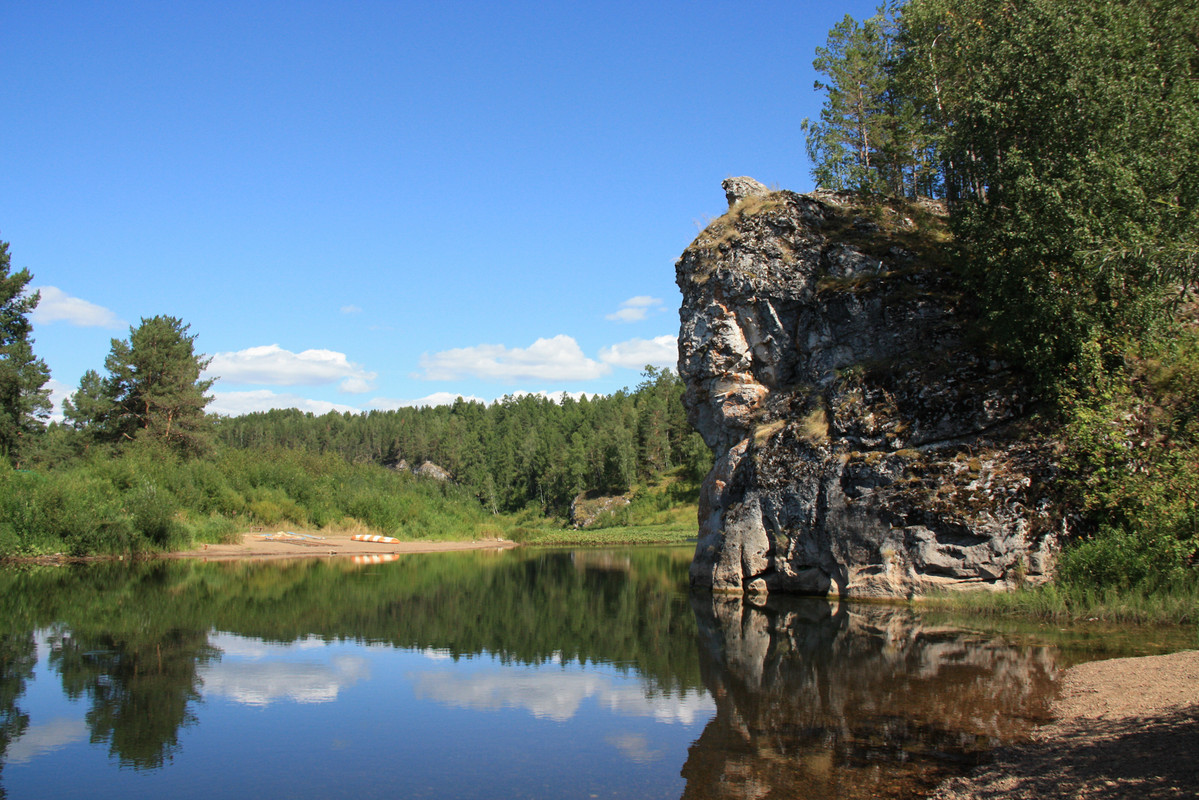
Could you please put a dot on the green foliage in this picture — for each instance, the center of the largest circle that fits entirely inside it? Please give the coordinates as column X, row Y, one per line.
column 510, row 454
column 848, row 137
column 155, row 388
column 1132, row 465
column 1068, row 134
column 870, row 137
column 147, row 498
column 24, row 400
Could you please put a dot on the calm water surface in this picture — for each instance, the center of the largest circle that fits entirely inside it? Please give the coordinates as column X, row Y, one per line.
column 592, row 674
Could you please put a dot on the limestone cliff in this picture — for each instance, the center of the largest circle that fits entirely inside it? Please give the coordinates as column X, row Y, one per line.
column 863, row 446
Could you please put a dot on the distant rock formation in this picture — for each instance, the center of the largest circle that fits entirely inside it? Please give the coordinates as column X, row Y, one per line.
column 427, row 469
column 863, row 447
column 430, row 470
column 587, row 507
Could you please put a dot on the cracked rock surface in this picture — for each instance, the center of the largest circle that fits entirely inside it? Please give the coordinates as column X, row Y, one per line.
column 864, row 447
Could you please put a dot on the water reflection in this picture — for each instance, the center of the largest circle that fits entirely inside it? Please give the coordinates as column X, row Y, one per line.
column 141, row 688
column 557, row 694
column 561, row 674
column 257, row 673
column 824, row 700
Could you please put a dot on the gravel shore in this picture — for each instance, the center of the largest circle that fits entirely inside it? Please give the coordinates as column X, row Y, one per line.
column 1124, row 728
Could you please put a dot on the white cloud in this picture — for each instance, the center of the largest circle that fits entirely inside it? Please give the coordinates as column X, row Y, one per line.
column 660, row 351
column 59, row 391
column 56, row 305
column 559, row 358
column 435, row 399
column 355, row 385
column 634, row 309
column 233, row 404
column 351, row 309
column 272, row 364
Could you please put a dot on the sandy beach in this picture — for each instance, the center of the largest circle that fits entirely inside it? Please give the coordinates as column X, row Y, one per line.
column 1124, row 728
column 271, row 544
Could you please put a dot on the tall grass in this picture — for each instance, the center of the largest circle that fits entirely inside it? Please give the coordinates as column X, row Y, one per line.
column 1165, row 604
column 147, row 499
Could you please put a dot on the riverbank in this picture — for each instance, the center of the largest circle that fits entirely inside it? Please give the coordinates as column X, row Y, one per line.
column 301, row 544
column 1123, row 728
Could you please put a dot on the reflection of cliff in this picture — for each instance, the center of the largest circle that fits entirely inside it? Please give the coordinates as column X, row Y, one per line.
column 819, row 700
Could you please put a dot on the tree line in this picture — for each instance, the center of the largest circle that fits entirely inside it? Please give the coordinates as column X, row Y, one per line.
column 517, row 452
column 513, row 454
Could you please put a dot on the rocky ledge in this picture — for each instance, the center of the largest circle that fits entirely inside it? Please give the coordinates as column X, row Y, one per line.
column 864, row 445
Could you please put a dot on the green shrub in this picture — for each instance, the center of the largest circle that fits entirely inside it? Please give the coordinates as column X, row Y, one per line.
column 1119, row 559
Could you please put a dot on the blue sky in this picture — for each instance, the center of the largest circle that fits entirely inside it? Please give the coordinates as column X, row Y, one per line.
column 362, row 205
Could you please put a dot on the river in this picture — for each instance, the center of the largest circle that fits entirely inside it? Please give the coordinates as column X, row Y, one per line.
column 519, row 674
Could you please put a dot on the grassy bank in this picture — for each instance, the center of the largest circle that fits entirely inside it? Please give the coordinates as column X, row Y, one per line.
column 1176, row 604
column 147, row 499
column 622, row 535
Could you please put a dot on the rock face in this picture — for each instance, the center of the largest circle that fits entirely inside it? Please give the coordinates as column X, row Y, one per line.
column 863, row 447
column 736, row 189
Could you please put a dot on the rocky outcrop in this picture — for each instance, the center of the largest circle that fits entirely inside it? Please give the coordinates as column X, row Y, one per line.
column 863, row 446
column 589, row 507
column 428, row 469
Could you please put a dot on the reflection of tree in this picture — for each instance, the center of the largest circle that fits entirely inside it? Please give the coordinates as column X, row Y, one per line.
column 18, row 656
column 820, row 700
column 131, row 636
column 141, row 688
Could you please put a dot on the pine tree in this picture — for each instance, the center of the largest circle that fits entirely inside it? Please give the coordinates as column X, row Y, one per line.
column 845, row 144
column 24, row 400
column 153, row 388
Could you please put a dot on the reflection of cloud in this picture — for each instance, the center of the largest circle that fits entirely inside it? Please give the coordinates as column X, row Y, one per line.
column 236, row 646
column 682, row 708
column 259, row 684
column 41, row 739
column 556, row 695
column 634, row 747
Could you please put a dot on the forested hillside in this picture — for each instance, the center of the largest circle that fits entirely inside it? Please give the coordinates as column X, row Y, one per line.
column 512, row 454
